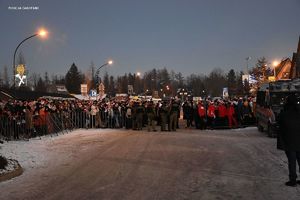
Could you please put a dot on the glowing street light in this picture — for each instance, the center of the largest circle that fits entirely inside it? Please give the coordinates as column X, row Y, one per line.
column 138, row 74
column 42, row 33
column 110, row 62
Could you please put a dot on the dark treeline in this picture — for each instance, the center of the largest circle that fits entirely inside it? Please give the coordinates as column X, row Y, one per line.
column 163, row 81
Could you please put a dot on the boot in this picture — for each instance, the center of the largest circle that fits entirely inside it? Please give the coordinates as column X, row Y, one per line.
column 291, row 183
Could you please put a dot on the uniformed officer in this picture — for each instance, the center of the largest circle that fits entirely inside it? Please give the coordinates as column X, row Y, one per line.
column 150, row 110
column 139, row 116
column 174, row 107
column 163, row 111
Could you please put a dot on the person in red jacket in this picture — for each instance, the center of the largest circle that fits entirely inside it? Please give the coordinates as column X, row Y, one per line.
column 211, row 115
column 222, row 114
column 202, row 115
column 232, row 122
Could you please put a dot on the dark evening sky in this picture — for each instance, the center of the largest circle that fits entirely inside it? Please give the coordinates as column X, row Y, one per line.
column 188, row 36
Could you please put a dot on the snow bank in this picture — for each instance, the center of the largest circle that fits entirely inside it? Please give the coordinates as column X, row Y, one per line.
column 37, row 151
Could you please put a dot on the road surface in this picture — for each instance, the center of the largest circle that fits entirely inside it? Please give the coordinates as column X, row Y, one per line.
column 187, row 164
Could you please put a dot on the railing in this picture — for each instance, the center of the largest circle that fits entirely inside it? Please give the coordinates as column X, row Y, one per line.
column 25, row 127
column 28, row 126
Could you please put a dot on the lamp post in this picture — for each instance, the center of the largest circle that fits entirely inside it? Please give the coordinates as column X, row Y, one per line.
column 247, row 59
column 42, row 33
column 110, row 62
column 275, row 64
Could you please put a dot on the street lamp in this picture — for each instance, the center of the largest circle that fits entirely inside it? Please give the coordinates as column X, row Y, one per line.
column 41, row 33
column 275, row 64
column 247, row 59
column 110, row 62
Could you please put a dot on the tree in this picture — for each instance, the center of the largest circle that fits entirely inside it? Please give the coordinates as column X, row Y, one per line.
column 261, row 71
column 93, row 77
column 215, row 82
column 58, row 79
column 73, row 79
column 5, row 77
column 196, row 85
column 41, row 86
column 111, row 87
column 46, row 80
column 21, row 59
column 137, row 84
column 180, row 79
column 231, row 82
column 106, row 80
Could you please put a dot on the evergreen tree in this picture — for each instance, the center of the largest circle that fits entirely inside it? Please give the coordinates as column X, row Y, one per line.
column 73, row 79
column 261, row 71
column 41, row 87
column 231, row 82
column 106, row 81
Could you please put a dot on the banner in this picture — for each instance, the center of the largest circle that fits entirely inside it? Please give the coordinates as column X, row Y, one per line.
column 83, row 89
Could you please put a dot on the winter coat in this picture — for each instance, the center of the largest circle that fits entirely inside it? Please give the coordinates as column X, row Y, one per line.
column 201, row 110
column 222, row 111
column 28, row 119
column 288, row 138
column 187, row 111
column 230, row 111
column 94, row 110
column 211, row 111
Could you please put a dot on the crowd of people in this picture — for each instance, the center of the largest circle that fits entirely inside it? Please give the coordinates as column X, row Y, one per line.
column 43, row 116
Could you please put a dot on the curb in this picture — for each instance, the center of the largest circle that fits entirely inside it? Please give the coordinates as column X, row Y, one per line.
column 17, row 172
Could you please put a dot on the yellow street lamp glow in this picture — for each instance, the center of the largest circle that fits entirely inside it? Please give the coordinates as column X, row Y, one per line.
column 138, row 73
column 43, row 33
column 110, row 62
column 275, row 63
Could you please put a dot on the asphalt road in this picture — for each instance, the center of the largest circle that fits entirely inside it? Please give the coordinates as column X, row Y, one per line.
column 187, row 164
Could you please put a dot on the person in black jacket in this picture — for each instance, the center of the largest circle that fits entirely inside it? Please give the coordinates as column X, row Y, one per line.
column 289, row 136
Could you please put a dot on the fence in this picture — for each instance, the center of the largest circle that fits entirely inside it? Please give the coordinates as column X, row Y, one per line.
column 25, row 127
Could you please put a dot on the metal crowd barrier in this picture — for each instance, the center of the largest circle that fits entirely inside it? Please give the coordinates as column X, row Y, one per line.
column 20, row 127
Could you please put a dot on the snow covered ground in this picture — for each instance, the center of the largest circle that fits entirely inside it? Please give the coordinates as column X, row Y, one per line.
column 126, row 164
column 37, row 152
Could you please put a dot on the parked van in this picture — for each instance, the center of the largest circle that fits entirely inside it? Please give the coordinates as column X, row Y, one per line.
column 270, row 101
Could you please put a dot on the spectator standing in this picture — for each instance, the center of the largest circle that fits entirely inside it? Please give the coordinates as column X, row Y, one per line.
column 202, row 115
column 289, row 136
column 150, row 111
column 174, row 107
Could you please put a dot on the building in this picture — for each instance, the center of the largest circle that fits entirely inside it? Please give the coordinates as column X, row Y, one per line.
column 289, row 69
column 295, row 69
